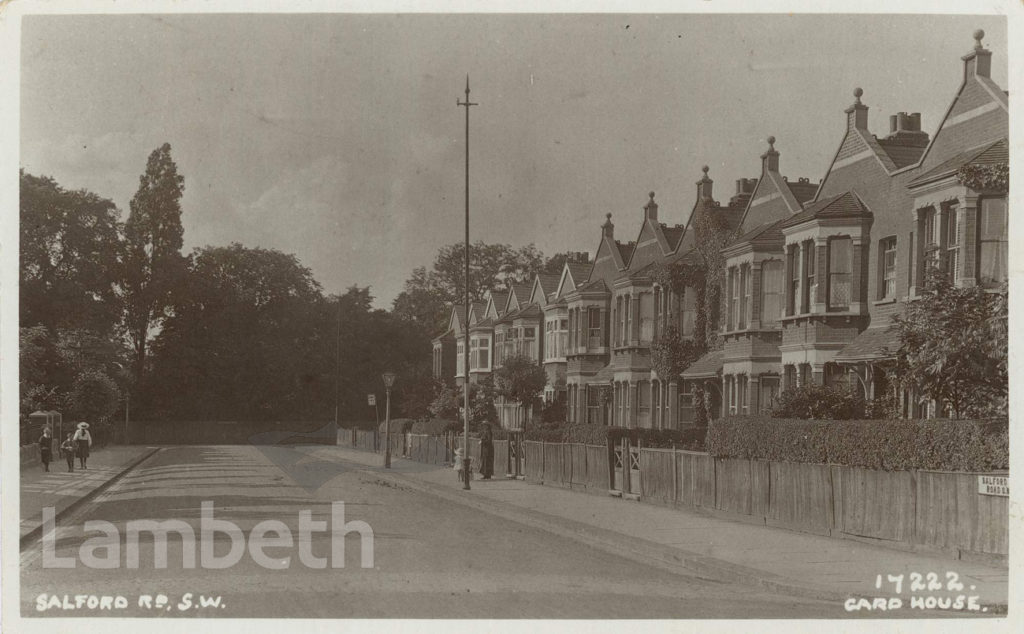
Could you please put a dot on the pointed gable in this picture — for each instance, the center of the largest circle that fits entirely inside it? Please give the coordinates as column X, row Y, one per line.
column 978, row 113
column 496, row 301
column 772, row 198
column 574, row 274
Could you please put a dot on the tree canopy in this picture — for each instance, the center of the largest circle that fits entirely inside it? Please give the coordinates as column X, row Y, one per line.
column 953, row 347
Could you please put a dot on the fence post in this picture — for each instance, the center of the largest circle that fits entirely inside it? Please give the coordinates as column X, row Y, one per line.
column 675, row 476
column 543, row 460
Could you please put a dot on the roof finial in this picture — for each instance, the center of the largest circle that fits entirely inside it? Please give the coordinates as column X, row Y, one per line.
column 608, row 216
column 651, row 194
column 857, row 92
column 977, row 38
column 705, row 169
column 771, row 143
column 467, row 86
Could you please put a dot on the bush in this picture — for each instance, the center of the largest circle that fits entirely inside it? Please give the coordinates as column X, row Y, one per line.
column 944, row 445
column 435, row 426
column 819, row 402
column 398, row 425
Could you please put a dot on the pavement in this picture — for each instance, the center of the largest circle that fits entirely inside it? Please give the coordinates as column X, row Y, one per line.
column 789, row 562
column 61, row 490
column 431, row 557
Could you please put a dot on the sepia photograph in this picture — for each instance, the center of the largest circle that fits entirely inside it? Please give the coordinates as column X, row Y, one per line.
column 402, row 312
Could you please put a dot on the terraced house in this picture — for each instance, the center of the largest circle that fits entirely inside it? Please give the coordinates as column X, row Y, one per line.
column 814, row 271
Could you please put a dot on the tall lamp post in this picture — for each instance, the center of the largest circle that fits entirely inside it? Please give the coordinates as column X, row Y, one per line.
column 465, row 351
column 389, row 381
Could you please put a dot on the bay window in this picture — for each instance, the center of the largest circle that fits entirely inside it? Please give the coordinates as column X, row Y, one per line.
column 992, row 242
column 887, row 268
column 593, row 328
column 771, row 292
column 809, row 286
column 952, row 245
column 840, row 265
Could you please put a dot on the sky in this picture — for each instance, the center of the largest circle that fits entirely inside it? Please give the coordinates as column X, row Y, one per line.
column 337, row 137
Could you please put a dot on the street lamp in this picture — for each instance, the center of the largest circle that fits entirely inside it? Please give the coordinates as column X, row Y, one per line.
column 389, row 381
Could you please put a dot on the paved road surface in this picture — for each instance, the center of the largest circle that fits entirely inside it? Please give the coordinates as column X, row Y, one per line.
column 432, row 558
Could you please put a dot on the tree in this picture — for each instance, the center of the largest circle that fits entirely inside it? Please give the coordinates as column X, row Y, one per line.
column 428, row 295
column 94, row 397
column 153, row 263
column 953, row 347
column 249, row 337
column 520, row 380
column 69, row 257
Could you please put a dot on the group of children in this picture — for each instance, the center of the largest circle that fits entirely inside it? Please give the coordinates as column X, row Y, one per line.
column 76, row 444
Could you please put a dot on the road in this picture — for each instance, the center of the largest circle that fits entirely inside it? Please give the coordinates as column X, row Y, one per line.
column 432, row 558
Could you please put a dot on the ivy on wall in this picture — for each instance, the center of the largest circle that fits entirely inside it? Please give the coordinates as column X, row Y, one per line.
column 671, row 353
column 994, row 178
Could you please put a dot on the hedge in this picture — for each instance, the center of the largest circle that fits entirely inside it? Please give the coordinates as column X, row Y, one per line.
column 890, row 445
column 600, row 435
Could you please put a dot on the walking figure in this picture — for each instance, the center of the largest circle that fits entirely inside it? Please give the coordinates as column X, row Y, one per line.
column 68, row 449
column 83, row 440
column 46, row 448
column 486, row 453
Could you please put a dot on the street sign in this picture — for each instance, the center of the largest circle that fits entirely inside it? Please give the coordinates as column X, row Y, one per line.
column 371, row 399
column 994, row 485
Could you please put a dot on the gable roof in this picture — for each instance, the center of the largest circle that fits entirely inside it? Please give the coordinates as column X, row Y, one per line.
column 802, row 189
column 496, row 303
column 518, row 295
column 625, row 250
column 673, row 235
column 547, row 283
column 770, row 233
column 985, row 154
column 844, row 205
column 902, row 152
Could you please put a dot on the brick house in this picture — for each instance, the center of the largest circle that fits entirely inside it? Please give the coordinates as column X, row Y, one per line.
column 812, row 277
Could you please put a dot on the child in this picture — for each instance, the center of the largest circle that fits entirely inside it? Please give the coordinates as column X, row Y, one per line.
column 83, row 440
column 68, row 449
column 459, row 464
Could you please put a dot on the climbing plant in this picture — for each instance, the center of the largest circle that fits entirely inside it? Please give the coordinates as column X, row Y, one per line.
column 995, row 177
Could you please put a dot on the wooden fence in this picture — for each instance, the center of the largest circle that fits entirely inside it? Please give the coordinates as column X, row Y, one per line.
column 940, row 511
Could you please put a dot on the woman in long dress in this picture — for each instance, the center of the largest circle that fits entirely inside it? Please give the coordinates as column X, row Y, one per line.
column 486, row 454
column 83, row 440
column 46, row 448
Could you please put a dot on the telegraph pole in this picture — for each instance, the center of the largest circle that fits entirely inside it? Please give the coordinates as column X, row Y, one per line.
column 465, row 350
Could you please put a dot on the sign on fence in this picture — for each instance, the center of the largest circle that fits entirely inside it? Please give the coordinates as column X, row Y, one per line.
column 994, row 485
column 371, row 399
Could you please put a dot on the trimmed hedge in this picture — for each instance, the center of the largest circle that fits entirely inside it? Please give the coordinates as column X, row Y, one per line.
column 599, row 435
column 890, row 445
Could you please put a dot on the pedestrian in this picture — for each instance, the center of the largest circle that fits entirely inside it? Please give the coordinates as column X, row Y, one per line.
column 68, row 449
column 83, row 440
column 46, row 448
column 486, row 453
column 459, row 464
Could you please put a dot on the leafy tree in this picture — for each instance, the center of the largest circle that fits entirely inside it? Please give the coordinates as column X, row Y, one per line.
column 520, row 380
column 428, row 295
column 953, row 347
column 250, row 338
column 94, row 397
column 69, row 257
column 154, row 264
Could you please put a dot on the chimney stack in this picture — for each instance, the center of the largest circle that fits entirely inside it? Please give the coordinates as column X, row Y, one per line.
column 979, row 61
column 704, row 185
column 651, row 209
column 857, row 114
column 608, row 229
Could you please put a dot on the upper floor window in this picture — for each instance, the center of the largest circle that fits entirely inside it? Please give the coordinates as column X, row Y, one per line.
column 528, row 342
column 809, row 277
column 594, row 328
column 793, row 261
column 460, row 358
column 840, row 265
column 734, row 299
column 746, row 305
column 887, row 268
column 645, row 310
column 772, row 289
column 689, row 315
column 621, row 306
column 992, row 242
column 628, row 305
